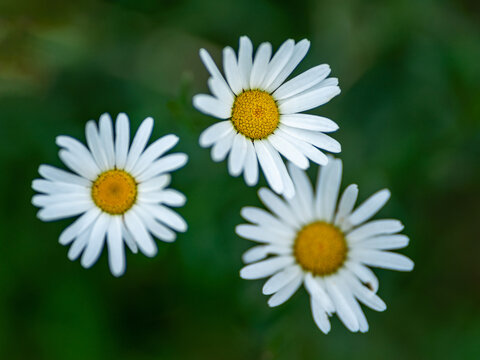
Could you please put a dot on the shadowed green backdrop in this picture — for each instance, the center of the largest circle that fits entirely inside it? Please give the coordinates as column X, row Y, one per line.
column 409, row 117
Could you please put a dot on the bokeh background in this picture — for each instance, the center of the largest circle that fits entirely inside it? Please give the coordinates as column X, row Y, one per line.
column 409, row 117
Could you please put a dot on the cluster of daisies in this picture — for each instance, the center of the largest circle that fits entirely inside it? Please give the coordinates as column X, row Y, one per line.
column 118, row 188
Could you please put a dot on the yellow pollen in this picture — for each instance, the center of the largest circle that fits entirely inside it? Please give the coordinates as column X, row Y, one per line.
column 255, row 114
column 320, row 248
column 114, row 191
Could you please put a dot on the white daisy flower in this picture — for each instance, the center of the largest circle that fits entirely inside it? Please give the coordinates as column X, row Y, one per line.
column 308, row 240
column 262, row 114
column 120, row 191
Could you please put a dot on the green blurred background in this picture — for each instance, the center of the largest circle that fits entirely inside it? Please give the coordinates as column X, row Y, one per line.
column 409, row 117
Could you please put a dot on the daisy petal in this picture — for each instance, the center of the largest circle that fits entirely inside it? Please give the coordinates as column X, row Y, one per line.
column 251, row 165
column 386, row 242
column 286, row 292
column 308, row 100
column 79, row 226
column 222, row 147
column 281, row 279
column 265, row 268
column 214, row 133
column 116, row 250
column 302, row 82
column 277, row 206
column 140, row 234
column 96, row 240
column 316, row 289
column 236, row 159
column 153, row 152
column 383, row 259
column 307, row 149
column 374, row 228
column 344, row 312
column 122, row 139
column 278, row 62
column 260, row 252
column 317, row 139
column 270, row 170
column 346, row 204
column 319, row 315
column 230, row 67
column 369, row 207
column 106, row 137
column 213, row 69
column 260, row 65
column 139, row 142
column 245, row 60
column 309, row 122
column 365, row 275
column 289, row 151
column 212, row 106
column 57, row 175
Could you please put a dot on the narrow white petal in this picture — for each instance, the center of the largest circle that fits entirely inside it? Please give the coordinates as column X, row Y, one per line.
column 286, row 292
column 122, row 140
column 382, row 259
column 106, row 137
column 374, row 228
column 157, row 229
column 57, row 175
column 369, row 207
column 79, row 245
column 343, row 310
column 288, row 187
column 212, row 106
column 164, row 165
column 346, row 204
column 245, row 60
column 169, row 197
column 96, row 241
column 212, row 69
column 309, row 122
column 78, row 150
column 230, row 68
column 316, row 288
column 319, row 315
column 167, row 216
column 153, row 152
column 328, row 185
column 270, row 170
column 95, row 145
column 221, row 90
column 116, row 250
column 302, row 82
column 222, row 147
column 139, row 142
column 77, row 165
column 289, row 151
column 50, row 187
column 236, row 159
column 154, row 184
column 363, row 293
column 278, row 62
column 142, row 238
column 278, row 207
column 303, row 190
column 266, row 268
column 79, row 226
column 387, row 242
column 352, row 303
column 281, row 279
column 306, row 148
column 260, row 252
column 261, row 234
column 64, row 210
column 365, row 275
column 251, row 165
column 260, row 64
column 317, row 139
column 129, row 240
column 308, row 100
column 263, row 218
column 214, row 133
column 299, row 52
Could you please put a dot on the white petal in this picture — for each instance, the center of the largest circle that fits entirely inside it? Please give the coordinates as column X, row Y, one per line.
column 319, row 315
column 346, row 204
column 214, row 133
column 260, row 64
column 230, row 68
column 365, row 275
column 79, row 226
column 303, row 190
column 353, row 304
column 344, row 312
column 302, row 82
column 382, row 259
column 79, row 245
column 286, row 292
column 374, row 228
column 308, row 100
column 95, row 144
column 306, row 148
column 64, row 210
column 139, row 142
column 363, row 293
column 50, row 187
column 154, row 184
column 222, row 147
column 77, row 165
column 317, row 139
column 251, row 165
column 221, row 90
column 260, row 252
column 299, row 52
column 327, row 189
column 289, row 151
column 78, row 150
column 58, row 175
column 153, row 152
column 213, row 70
column 387, row 242
column 49, row 200
column 288, row 187
column 158, row 230
column 309, row 122
column 277, row 206
column 261, row 234
column 142, row 238
column 369, row 207
column 106, row 137
column 212, row 106
column 129, row 240
column 278, row 62
column 245, row 61
column 316, row 288
column 281, row 279
column 263, row 218
column 122, row 139
column 164, row 165
column 266, row 268
column 169, row 197
column 116, row 250
column 96, row 241
column 236, row 159
column 270, row 170
column 167, row 217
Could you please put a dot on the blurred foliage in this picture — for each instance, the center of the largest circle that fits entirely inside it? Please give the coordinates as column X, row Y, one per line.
column 409, row 117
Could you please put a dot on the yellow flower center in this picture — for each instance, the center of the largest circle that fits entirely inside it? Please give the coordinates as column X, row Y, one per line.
column 320, row 248
column 255, row 114
column 114, row 191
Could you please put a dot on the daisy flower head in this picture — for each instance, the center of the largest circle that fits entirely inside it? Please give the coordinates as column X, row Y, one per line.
column 118, row 190
column 309, row 240
column 261, row 113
